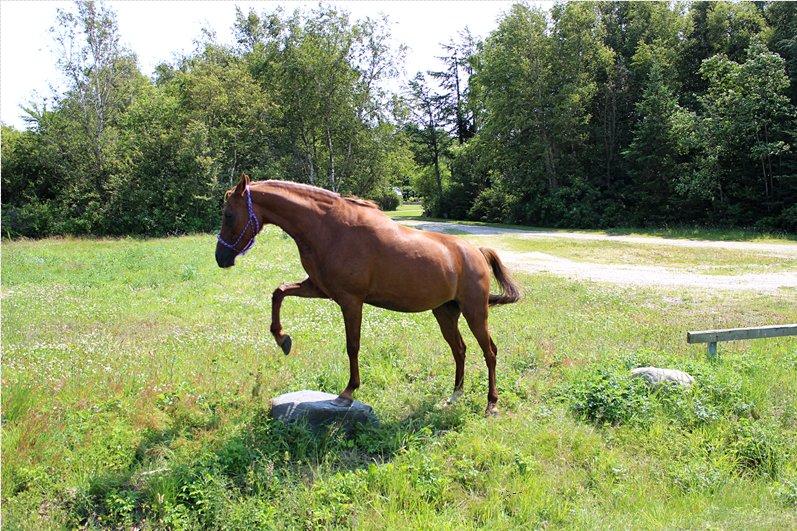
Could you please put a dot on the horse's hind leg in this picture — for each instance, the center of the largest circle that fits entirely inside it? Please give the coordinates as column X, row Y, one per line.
column 305, row 288
column 447, row 316
column 476, row 316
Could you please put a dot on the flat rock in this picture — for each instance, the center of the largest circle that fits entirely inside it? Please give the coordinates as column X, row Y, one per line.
column 657, row 376
column 318, row 410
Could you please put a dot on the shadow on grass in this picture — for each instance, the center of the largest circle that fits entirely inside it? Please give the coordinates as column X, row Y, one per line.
column 260, row 456
column 294, row 447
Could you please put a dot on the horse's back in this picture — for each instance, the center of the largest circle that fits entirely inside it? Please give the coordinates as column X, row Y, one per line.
column 405, row 269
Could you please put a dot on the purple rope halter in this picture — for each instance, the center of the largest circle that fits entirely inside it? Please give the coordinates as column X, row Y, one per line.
column 251, row 221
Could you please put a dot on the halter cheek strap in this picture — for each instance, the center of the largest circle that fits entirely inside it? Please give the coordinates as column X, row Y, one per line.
column 251, row 221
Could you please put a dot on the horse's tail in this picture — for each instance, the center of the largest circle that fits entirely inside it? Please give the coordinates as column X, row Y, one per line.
column 509, row 290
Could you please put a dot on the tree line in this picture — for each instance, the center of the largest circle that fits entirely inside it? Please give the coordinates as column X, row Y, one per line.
column 589, row 114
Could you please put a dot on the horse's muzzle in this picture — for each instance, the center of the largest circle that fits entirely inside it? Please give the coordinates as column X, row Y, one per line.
column 224, row 257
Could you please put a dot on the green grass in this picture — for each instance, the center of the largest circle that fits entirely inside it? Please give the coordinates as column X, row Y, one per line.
column 406, row 211
column 706, row 233
column 130, row 369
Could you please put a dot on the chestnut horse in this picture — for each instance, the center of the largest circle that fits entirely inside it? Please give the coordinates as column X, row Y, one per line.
column 354, row 254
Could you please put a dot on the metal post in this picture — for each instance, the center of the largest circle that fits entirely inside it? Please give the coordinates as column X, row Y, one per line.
column 712, row 350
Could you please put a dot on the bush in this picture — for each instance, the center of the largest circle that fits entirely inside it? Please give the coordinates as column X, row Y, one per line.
column 34, row 219
column 789, row 218
column 408, row 193
column 493, row 204
column 697, row 475
column 387, row 199
column 787, row 493
column 602, row 397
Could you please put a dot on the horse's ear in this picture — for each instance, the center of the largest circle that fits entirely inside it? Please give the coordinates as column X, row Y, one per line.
column 242, row 184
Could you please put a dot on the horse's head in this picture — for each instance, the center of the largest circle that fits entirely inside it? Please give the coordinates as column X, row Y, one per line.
column 239, row 224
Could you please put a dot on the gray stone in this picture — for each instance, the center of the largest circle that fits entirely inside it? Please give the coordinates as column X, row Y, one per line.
column 318, row 410
column 657, row 376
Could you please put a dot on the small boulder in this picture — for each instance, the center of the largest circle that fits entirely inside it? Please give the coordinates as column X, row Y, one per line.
column 657, row 376
column 318, row 410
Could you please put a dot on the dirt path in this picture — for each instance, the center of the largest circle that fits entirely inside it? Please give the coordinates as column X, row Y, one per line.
column 785, row 250
column 644, row 275
column 638, row 275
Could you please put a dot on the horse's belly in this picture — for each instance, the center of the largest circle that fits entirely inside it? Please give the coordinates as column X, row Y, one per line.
column 412, row 286
column 398, row 306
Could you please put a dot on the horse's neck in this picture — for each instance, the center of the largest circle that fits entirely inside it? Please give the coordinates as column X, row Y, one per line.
column 294, row 213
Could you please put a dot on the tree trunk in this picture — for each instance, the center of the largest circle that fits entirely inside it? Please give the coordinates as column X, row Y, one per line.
column 550, row 165
column 331, row 169
column 609, row 131
column 311, row 168
column 460, row 118
column 436, row 154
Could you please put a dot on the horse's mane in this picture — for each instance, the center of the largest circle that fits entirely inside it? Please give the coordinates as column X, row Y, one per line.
column 319, row 193
column 360, row 201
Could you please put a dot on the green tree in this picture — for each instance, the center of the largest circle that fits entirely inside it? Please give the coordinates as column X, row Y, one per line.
column 326, row 73
column 659, row 151
column 716, row 28
column 782, row 18
column 102, row 78
column 632, row 30
column 453, row 79
column 537, row 82
column 747, row 127
column 428, row 127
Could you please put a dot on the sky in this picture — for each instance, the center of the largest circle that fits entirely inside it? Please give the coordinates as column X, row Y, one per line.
column 158, row 31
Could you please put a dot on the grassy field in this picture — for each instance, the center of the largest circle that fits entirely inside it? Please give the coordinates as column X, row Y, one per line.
column 136, row 378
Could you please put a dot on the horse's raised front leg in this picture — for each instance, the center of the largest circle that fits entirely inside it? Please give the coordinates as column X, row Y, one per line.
column 352, row 316
column 305, row 288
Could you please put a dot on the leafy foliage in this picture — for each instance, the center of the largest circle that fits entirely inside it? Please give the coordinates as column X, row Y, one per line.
column 640, row 113
column 587, row 114
column 299, row 98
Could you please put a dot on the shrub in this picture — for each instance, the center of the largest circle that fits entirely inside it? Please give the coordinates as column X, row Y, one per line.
column 387, row 199
column 789, row 218
column 493, row 204
column 34, row 219
column 697, row 476
column 606, row 398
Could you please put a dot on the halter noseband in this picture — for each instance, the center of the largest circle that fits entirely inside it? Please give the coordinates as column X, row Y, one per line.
column 251, row 221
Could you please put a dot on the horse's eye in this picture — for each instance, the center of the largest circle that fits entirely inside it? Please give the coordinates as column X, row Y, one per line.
column 228, row 216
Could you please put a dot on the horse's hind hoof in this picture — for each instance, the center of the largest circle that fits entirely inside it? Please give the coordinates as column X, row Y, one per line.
column 286, row 345
column 453, row 398
column 491, row 411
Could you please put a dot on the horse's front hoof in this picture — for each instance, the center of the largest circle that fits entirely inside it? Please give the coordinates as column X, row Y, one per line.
column 342, row 401
column 491, row 411
column 286, row 345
